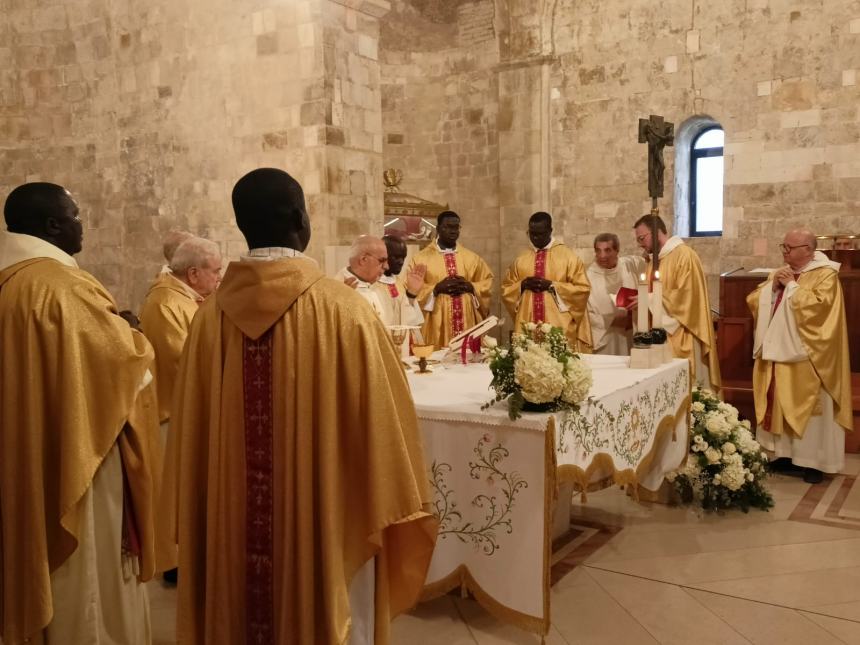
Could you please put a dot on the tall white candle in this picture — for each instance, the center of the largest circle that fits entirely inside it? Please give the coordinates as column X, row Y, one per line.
column 658, row 300
column 642, row 305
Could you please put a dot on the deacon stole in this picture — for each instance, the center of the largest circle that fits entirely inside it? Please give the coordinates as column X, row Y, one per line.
column 259, row 518
column 538, row 299
column 456, row 301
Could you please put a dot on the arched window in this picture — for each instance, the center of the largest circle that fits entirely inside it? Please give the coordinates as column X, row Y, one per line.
column 706, row 183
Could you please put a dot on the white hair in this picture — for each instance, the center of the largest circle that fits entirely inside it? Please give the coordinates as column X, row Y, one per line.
column 363, row 244
column 193, row 252
column 173, row 240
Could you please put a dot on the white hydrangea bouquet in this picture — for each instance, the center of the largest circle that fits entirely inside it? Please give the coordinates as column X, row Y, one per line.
column 726, row 467
column 538, row 372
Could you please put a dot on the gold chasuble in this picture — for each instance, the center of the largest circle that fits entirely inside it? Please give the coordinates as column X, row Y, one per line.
column 295, row 464
column 446, row 316
column 165, row 318
column 70, row 376
column 808, row 357
column 564, row 306
column 685, row 300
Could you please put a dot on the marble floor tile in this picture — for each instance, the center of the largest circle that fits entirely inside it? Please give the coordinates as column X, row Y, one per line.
column 670, row 615
column 851, row 505
column 796, row 590
column 846, row 610
column 845, row 630
column 584, row 613
column 852, row 464
column 764, row 624
column 687, row 540
column 742, row 563
column 436, row 621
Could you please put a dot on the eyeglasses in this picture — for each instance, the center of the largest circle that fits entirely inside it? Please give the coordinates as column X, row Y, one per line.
column 380, row 260
column 785, row 248
column 640, row 238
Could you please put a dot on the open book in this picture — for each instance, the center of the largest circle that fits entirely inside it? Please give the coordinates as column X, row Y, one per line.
column 473, row 332
column 624, row 296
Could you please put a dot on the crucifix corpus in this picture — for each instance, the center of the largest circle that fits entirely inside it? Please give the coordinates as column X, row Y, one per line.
column 657, row 133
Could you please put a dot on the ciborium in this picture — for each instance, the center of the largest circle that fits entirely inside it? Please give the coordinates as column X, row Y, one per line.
column 423, row 352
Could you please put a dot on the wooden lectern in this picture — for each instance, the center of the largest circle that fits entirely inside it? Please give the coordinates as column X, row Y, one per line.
column 735, row 334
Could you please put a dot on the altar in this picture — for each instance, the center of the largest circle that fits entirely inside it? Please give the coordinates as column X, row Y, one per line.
column 495, row 482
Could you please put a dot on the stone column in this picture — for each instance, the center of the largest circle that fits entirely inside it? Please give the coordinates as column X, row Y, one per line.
column 524, row 122
column 344, row 107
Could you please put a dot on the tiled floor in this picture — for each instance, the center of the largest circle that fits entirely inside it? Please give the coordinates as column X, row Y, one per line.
column 643, row 573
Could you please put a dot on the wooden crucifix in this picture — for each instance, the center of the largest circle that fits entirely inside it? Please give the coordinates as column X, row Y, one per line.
column 657, row 133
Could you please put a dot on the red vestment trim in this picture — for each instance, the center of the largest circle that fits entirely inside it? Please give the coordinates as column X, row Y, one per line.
column 457, row 325
column 259, row 517
column 539, row 297
column 392, row 290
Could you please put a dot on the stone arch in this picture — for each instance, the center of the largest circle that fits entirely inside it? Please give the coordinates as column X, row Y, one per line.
column 684, row 136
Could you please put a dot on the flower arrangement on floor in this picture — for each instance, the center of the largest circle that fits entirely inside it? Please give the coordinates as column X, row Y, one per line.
column 726, row 467
column 538, row 372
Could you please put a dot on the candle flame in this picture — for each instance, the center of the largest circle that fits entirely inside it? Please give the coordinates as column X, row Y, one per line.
column 656, row 275
column 642, row 277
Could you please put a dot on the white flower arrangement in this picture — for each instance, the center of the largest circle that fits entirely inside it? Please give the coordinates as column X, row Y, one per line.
column 726, row 467
column 538, row 371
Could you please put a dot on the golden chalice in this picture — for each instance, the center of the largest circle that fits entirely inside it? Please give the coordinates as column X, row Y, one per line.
column 423, row 352
column 398, row 334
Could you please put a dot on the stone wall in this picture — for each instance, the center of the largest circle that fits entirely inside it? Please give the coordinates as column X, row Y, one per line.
column 149, row 112
column 570, row 80
column 440, row 111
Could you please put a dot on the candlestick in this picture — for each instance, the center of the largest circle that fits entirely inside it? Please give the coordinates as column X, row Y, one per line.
column 658, row 301
column 642, row 305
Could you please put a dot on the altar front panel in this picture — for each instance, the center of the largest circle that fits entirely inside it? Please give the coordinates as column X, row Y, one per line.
column 494, row 480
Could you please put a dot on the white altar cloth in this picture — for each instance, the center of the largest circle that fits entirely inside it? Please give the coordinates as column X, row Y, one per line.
column 494, row 481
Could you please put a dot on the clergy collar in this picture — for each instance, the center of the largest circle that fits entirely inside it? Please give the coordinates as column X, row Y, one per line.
column 671, row 244
column 187, row 288
column 545, row 248
column 441, row 250
column 818, row 261
column 274, row 253
column 18, row 247
column 388, row 279
column 362, row 284
column 599, row 269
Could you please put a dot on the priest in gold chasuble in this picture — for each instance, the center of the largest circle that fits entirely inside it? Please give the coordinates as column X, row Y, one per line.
column 802, row 376
column 80, row 456
column 548, row 284
column 686, row 306
column 457, row 283
column 304, row 510
column 193, row 274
